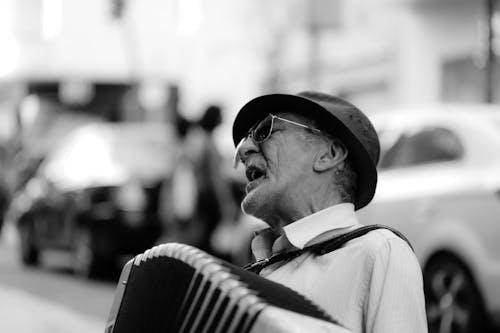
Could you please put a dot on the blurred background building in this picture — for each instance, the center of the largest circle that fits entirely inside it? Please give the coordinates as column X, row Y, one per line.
column 138, row 60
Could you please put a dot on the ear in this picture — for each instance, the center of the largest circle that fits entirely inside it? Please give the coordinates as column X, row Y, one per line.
column 330, row 156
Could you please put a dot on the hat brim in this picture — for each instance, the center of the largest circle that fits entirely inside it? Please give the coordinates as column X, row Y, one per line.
column 258, row 108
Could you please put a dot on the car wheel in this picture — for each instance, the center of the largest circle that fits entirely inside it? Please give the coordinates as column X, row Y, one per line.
column 28, row 249
column 85, row 260
column 453, row 302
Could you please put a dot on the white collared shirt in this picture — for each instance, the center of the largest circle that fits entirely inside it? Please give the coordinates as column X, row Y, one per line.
column 304, row 231
column 372, row 284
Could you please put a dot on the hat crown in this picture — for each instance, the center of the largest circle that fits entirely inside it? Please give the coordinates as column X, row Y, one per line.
column 352, row 118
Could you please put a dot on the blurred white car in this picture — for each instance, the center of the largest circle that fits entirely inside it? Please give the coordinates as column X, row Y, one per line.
column 439, row 184
column 95, row 196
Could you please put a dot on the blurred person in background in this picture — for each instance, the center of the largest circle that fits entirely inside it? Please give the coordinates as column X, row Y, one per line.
column 215, row 204
column 310, row 160
column 200, row 197
column 179, row 193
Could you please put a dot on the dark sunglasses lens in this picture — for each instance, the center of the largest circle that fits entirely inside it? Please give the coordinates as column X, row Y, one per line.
column 263, row 129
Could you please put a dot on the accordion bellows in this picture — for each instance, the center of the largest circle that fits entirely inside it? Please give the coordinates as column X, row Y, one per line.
column 179, row 288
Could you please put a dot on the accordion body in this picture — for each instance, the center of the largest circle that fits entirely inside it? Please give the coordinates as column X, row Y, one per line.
column 179, row 288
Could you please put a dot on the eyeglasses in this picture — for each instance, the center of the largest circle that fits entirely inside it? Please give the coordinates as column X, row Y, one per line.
column 263, row 130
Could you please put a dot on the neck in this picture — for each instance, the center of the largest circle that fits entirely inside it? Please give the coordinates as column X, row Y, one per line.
column 302, row 204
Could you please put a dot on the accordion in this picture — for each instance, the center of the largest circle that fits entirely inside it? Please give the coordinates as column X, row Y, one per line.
column 179, row 288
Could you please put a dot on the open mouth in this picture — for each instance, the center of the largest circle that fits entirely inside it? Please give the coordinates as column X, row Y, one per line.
column 254, row 174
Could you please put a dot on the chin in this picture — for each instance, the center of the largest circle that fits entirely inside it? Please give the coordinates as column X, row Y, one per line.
column 255, row 204
column 248, row 205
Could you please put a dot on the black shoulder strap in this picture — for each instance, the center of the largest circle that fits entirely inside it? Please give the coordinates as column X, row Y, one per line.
column 323, row 247
column 337, row 242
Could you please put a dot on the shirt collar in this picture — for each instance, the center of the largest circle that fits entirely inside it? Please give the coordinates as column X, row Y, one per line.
column 302, row 232
column 306, row 230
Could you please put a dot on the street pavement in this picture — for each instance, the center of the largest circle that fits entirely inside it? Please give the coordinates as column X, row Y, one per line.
column 22, row 312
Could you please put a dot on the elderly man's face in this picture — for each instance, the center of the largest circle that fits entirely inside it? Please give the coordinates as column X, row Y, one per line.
column 277, row 169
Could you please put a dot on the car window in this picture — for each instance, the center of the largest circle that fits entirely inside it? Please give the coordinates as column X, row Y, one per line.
column 427, row 145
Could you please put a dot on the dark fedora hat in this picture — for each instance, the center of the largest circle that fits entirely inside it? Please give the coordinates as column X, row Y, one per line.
column 339, row 118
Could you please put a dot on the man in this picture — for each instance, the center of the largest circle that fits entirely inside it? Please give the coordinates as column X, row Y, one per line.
column 310, row 160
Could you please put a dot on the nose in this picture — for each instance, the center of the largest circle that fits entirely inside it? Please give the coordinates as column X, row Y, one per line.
column 244, row 149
